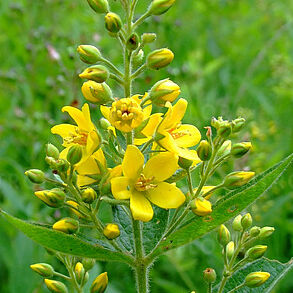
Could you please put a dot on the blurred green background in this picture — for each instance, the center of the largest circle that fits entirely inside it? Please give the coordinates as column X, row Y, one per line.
column 231, row 58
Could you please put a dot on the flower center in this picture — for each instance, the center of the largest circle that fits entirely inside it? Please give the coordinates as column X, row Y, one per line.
column 178, row 134
column 143, row 183
column 77, row 137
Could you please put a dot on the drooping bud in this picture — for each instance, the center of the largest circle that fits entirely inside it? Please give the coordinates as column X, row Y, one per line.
column 201, row 206
column 164, row 91
column 137, row 58
column 98, row 73
column 256, row 279
column 159, row 7
column 184, row 163
column 225, row 148
column 147, row 38
column 113, row 22
column 55, row 286
column 266, row 232
column 237, row 124
column 52, row 151
column 79, row 272
column 230, row 247
column 223, row 235
column 75, row 208
column 111, row 231
column 43, row 269
column 237, row 179
column 132, row 42
column 236, row 225
column 204, row 150
column 66, row 225
column 54, row 198
column 159, row 58
column 209, row 275
column 246, row 221
column 100, row 284
column 240, row 149
column 256, row 252
column 88, row 263
column 224, row 130
column 254, row 231
column 88, row 195
column 99, row 6
column 74, row 154
column 97, row 93
column 35, row 175
column 89, row 54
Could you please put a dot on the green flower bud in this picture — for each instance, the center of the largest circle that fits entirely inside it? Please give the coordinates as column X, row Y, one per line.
column 61, row 165
column 79, row 272
column 104, row 123
column 230, row 247
column 184, row 163
column 43, row 269
column 256, row 279
column 159, row 7
column 98, row 73
column 237, row 124
column 236, row 225
column 209, row 275
column 224, row 130
column 223, row 235
column 113, row 22
column 256, row 252
column 254, row 231
column 88, row 195
column 66, row 225
column 74, row 154
column 132, row 42
column 159, row 58
column 111, row 231
column 89, row 54
column 75, row 207
column 204, row 150
column 99, row 6
column 225, row 148
column 35, row 175
column 53, row 198
column 137, row 58
column 97, row 93
column 237, row 179
column 88, row 263
column 201, row 207
column 246, row 221
column 52, row 151
column 55, row 286
column 100, row 284
column 240, row 149
column 266, row 232
column 147, row 38
column 51, row 162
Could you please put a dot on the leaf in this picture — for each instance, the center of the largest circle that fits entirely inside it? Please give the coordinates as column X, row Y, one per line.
column 275, row 268
column 65, row 243
column 226, row 208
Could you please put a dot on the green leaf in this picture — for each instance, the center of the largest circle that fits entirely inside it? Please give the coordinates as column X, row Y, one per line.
column 275, row 268
column 226, row 208
column 65, row 243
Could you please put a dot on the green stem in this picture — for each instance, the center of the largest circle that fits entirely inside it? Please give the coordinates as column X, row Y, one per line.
column 222, row 285
column 140, row 70
column 115, row 201
column 210, row 288
column 62, row 276
column 141, row 20
column 146, row 145
column 72, row 275
column 112, row 66
column 116, row 78
column 237, row 288
column 129, row 138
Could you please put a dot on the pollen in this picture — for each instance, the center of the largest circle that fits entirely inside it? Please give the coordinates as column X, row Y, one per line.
column 77, row 137
column 143, row 183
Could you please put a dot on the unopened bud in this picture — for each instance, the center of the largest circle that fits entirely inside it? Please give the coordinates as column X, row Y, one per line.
column 201, row 206
column 132, row 42
column 74, row 154
column 224, row 130
column 254, row 231
column 266, row 232
column 88, row 195
column 256, row 252
column 52, row 151
column 104, row 123
column 79, row 272
column 246, row 221
column 137, row 58
column 35, row 175
column 236, row 225
column 66, row 225
column 54, row 198
column 89, row 54
column 237, row 124
column 223, row 235
column 55, row 286
column 100, row 284
column 113, row 22
column 240, row 149
column 237, row 179
column 204, row 150
column 61, row 165
column 43, row 269
column 75, row 207
column 256, row 279
column 97, row 93
column 111, row 231
column 230, row 247
column 184, row 163
column 159, row 7
column 147, row 38
column 99, row 6
column 209, row 275
column 159, row 58
column 88, row 263
column 225, row 148
column 98, row 73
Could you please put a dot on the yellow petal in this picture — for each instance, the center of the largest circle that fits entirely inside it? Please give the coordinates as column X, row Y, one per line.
column 87, row 116
column 140, row 207
column 205, row 190
column 119, row 188
column 161, row 166
column 105, row 111
column 116, row 171
column 99, row 155
column 152, row 124
column 83, row 180
column 179, row 110
column 168, row 143
column 133, row 162
column 166, row 196
column 188, row 154
column 64, row 130
column 167, row 120
column 186, row 135
column 77, row 116
column 93, row 142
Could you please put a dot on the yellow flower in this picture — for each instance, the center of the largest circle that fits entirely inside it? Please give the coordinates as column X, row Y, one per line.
column 178, row 137
column 83, row 134
column 145, row 184
column 201, row 207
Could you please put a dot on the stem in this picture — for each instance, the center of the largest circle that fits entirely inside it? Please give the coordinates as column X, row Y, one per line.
column 140, row 20
column 116, row 78
column 140, row 70
column 112, row 66
column 210, row 288
column 236, row 288
column 61, row 275
column 223, row 283
column 129, row 138
column 72, row 275
column 146, row 145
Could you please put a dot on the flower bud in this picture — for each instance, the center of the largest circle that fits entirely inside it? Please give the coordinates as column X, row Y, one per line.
column 254, row 231
column 43, row 269
column 230, row 247
column 100, row 284
column 132, row 42
column 104, row 123
column 266, row 232
column 237, row 179
column 201, row 207
column 74, row 154
column 66, row 225
column 237, row 124
column 113, row 22
column 224, row 130
column 246, row 221
column 137, row 58
column 147, row 38
column 61, row 165
column 88, row 263
column 79, row 272
column 52, row 151
column 159, row 7
column 89, row 54
column 223, row 235
column 256, row 252
column 225, row 148
column 236, row 225
column 35, row 175
column 111, row 231
column 55, row 286
column 240, row 149
column 159, row 58
column 204, row 150
column 97, row 93
column 53, row 198
column 256, row 279
column 98, row 73
column 184, row 163
column 164, row 91
column 99, row 6
column 209, row 275
column 76, row 207
column 88, row 195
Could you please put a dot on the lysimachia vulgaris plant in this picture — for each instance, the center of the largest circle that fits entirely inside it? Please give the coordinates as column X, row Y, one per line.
column 132, row 160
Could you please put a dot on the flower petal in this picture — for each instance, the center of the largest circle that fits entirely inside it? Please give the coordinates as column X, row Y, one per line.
column 77, row 116
column 166, row 196
column 140, row 207
column 179, row 110
column 189, row 155
column 119, row 187
column 64, row 130
column 186, row 135
column 133, row 162
column 168, row 143
column 152, row 124
column 161, row 166
column 105, row 111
